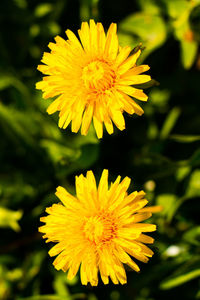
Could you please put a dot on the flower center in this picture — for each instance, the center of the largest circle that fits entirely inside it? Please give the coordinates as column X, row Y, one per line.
column 98, row 76
column 99, row 229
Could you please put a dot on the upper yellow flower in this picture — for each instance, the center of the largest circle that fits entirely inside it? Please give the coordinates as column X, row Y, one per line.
column 98, row 229
column 93, row 79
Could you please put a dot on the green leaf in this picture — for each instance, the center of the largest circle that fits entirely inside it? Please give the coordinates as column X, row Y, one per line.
column 145, row 28
column 89, row 155
column 180, row 11
column 150, row 6
column 45, row 297
column 158, row 97
column 43, row 9
column 60, row 153
column 79, row 140
column 17, row 125
column 60, row 285
column 181, row 279
column 31, row 266
column 195, row 159
column 168, row 202
column 11, row 188
column 194, row 20
column 180, row 138
column 9, row 80
column 193, row 188
column 193, row 236
column 182, row 172
column 5, row 82
column 197, row 295
column 55, row 297
column 85, row 10
column 170, row 122
column 177, row 8
column 21, row 3
column 10, row 218
column 188, row 52
column 4, row 284
column 53, row 28
column 171, row 203
column 14, row 275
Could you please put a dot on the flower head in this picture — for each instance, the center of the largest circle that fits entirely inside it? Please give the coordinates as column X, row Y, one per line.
column 99, row 229
column 92, row 79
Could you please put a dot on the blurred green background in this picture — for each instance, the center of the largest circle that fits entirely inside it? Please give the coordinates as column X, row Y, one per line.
column 160, row 151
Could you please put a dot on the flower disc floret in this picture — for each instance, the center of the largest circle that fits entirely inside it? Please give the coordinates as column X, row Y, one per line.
column 98, row 77
column 93, row 78
column 100, row 229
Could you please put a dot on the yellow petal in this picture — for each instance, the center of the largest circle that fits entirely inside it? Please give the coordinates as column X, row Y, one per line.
column 87, row 118
column 145, row 239
column 77, row 116
column 145, row 250
column 103, row 186
column 98, row 127
column 55, row 250
column 137, row 79
column 73, row 270
column 67, row 199
column 135, row 71
column 101, row 38
column 84, row 34
column 129, row 63
column 118, row 119
column 41, row 85
column 139, row 217
column 138, row 255
column 131, row 91
column 145, row 227
column 71, row 36
column 123, row 54
column 125, row 258
column 93, row 36
column 54, row 106
column 130, row 102
column 111, row 46
column 65, row 119
column 152, row 209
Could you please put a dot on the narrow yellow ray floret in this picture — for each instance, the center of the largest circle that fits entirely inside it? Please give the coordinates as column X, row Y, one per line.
column 93, row 78
column 99, row 229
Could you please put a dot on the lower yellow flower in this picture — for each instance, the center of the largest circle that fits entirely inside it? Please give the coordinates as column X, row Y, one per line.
column 93, row 78
column 99, row 229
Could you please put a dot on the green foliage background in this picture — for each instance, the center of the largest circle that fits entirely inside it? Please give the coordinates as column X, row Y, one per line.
column 160, row 151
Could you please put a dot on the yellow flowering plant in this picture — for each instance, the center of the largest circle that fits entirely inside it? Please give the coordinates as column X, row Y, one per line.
column 99, row 229
column 93, row 78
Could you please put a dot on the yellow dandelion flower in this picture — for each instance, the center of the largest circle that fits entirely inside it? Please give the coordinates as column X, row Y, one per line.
column 99, row 229
column 93, row 78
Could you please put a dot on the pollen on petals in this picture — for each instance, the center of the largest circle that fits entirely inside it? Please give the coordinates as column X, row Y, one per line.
column 99, row 230
column 94, row 79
